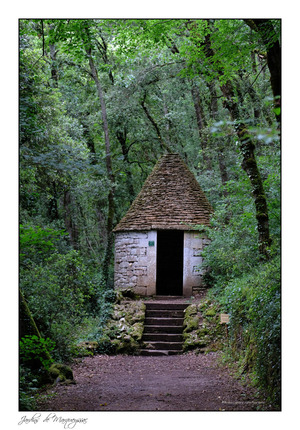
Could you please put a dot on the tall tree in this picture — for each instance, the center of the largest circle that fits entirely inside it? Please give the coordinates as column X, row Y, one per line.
column 111, row 204
column 270, row 38
column 247, row 146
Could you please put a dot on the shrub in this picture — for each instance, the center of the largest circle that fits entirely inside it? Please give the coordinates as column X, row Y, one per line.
column 37, row 243
column 253, row 302
column 61, row 292
column 28, row 386
column 34, row 350
column 233, row 248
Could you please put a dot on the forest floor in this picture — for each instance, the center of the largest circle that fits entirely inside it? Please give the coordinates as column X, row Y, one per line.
column 187, row 382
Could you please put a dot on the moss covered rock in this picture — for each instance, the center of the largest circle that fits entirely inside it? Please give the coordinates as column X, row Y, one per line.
column 191, row 310
column 191, row 323
column 211, row 312
column 136, row 331
column 202, row 328
column 61, row 373
column 195, row 341
column 87, row 348
column 126, row 294
column 125, row 328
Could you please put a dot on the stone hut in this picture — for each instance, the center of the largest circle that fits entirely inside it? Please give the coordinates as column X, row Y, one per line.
column 157, row 252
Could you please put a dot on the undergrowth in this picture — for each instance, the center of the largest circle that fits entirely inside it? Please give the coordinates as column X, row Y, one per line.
column 253, row 304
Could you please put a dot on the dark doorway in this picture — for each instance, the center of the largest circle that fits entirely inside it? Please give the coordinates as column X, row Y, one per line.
column 169, row 262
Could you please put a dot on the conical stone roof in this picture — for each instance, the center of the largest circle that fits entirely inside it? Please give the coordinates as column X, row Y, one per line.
column 170, row 199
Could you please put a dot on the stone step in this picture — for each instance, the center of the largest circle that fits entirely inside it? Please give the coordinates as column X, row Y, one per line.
column 162, row 337
column 164, row 321
column 169, row 313
column 165, row 345
column 156, row 352
column 166, row 306
column 162, row 329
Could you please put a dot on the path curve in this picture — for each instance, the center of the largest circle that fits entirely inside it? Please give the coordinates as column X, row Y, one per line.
column 187, row 382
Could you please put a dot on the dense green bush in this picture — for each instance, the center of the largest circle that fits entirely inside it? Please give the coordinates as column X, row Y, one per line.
column 246, row 286
column 33, row 349
column 66, row 299
column 28, row 386
column 60, row 293
column 253, row 303
column 37, row 243
column 61, row 290
column 233, row 249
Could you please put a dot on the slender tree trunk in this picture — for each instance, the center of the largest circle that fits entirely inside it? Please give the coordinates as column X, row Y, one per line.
column 27, row 323
column 54, row 70
column 111, row 202
column 69, row 222
column 129, row 179
column 201, row 122
column 163, row 144
column 104, row 115
column 249, row 165
column 221, row 146
column 52, row 204
column 168, row 122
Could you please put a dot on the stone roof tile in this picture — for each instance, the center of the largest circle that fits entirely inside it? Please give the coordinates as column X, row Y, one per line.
column 170, row 198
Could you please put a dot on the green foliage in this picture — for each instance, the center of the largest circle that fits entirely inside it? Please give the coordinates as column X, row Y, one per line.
column 28, row 387
column 34, row 349
column 37, row 243
column 233, row 249
column 69, row 294
column 207, row 335
column 244, row 287
column 253, row 303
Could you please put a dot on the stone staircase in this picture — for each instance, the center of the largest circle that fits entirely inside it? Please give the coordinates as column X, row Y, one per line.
column 163, row 328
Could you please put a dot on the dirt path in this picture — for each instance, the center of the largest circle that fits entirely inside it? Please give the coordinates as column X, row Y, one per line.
column 187, row 382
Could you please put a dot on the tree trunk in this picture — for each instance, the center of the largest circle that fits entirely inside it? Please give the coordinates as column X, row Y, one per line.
column 53, row 64
column 221, row 146
column 129, row 180
column 201, row 124
column 69, row 222
column 111, row 202
column 266, row 30
column 27, row 323
column 54, row 72
column 168, row 122
column 249, row 165
column 163, row 144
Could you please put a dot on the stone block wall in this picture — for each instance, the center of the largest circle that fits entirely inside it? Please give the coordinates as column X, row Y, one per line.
column 194, row 242
column 135, row 261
